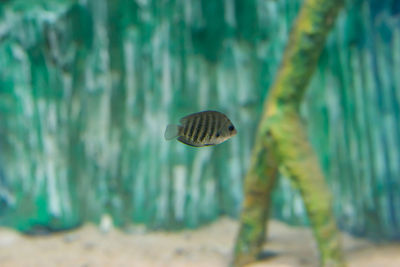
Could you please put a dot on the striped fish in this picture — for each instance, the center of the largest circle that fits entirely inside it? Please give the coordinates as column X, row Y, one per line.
column 204, row 128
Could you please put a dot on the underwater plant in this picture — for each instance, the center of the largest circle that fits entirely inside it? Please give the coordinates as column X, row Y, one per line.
column 282, row 143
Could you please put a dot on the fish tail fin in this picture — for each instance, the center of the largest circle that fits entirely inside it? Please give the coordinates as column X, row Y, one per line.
column 171, row 131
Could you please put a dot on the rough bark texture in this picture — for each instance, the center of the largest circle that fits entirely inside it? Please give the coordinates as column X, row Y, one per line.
column 282, row 142
column 257, row 190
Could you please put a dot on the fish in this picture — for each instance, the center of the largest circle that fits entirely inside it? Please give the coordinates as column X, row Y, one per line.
column 206, row 128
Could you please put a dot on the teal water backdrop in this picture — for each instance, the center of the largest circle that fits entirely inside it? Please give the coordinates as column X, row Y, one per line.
column 88, row 87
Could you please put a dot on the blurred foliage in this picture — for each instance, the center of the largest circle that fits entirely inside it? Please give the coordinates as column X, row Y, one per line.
column 87, row 88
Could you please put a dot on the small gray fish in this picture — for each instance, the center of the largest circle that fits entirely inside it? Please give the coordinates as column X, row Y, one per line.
column 204, row 128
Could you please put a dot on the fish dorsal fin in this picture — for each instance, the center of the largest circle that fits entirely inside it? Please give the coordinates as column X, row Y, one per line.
column 183, row 120
column 186, row 118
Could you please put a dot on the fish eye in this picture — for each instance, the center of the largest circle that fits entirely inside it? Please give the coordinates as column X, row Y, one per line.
column 231, row 128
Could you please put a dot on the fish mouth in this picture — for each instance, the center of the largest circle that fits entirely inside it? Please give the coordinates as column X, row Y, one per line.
column 234, row 132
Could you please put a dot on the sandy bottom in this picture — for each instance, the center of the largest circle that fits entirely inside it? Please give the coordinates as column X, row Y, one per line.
column 209, row 246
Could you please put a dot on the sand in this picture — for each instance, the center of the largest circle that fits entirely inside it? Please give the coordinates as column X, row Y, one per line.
column 208, row 246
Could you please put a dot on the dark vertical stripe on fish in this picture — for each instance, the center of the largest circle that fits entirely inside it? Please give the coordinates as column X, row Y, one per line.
column 217, row 126
column 212, row 127
column 199, row 128
column 188, row 125
column 208, row 119
column 193, row 127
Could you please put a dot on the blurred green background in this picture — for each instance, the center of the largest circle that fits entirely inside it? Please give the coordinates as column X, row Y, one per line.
column 87, row 88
